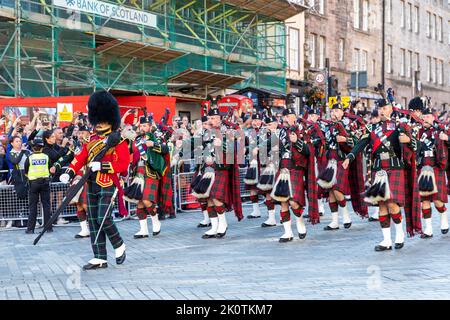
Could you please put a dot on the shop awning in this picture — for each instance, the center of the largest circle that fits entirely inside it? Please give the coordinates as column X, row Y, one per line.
column 206, row 78
column 139, row 50
column 278, row 9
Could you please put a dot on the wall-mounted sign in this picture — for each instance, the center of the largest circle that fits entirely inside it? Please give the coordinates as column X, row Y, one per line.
column 109, row 10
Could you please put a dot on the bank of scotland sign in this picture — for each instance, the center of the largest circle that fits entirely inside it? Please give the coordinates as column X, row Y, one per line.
column 109, row 10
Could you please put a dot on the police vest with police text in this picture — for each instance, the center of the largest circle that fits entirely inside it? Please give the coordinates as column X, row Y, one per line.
column 38, row 166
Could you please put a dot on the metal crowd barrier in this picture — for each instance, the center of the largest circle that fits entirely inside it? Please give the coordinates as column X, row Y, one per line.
column 13, row 208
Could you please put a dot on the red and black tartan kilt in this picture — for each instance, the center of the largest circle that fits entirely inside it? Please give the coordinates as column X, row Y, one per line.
column 297, row 182
column 342, row 182
column 83, row 196
column 321, row 165
column 441, row 184
column 221, row 187
column 396, row 185
column 151, row 186
column 298, row 186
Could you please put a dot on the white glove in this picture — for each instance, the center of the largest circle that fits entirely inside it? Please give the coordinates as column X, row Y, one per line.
column 95, row 166
column 64, row 178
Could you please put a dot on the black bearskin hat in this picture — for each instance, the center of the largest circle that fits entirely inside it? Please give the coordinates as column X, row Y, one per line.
column 416, row 104
column 103, row 107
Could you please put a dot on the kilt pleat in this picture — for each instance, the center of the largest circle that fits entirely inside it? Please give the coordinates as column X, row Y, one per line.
column 221, row 187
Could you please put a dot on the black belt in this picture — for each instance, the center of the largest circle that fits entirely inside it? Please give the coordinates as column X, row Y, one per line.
column 41, row 180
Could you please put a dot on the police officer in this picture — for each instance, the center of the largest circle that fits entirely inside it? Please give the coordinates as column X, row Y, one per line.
column 37, row 170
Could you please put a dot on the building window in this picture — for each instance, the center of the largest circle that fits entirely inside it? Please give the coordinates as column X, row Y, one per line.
column 389, row 58
column 321, row 52
column 409, row 64
column 356, row 60
column 428, row 24
column 402, row 62
column 409, row 17
column 440, row 27
column 429, row 69
column 389, row 11
column 341, row 49
column 313, row 50
column 322, row 6
column 402, row 14
column 294, row 49
column 433, row 27
column 416, row 61
column 356, row 14
column 441, row 72
column 433, row 70
column 365, row 12
column 363, row 60
column 416, row 19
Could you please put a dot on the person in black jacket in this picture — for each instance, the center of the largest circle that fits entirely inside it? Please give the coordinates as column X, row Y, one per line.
column 55, row 152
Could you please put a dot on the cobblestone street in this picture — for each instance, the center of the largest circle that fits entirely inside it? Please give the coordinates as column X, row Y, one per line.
column 248, row 263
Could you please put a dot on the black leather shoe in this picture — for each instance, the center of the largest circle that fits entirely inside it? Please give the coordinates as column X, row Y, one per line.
column 253, row 217
column 121, row 259
column 265, row 225
column 328, row 228
column 201, row 225
column 347, row 225
column 90, row 266
column 156, row 233
column 161, row 216
column 284, row 240
column 426, row 236
column 208, row 236
column 302, row 235
column 29, row 231
column 321, row 214
column 172, row 217
column 372, row 219
column 221, row 235
column 306, row 216
column 49, row 230
column 382, row 248
column 399, row 245
column 140, row 236
column 77, row 236
column 444, row 231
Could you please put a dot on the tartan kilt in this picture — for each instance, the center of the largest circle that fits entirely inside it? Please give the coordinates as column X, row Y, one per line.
column 150, row 192
column 298, row 186
column 83, row 196
column 342, row 182
column 221, row 187
column 441, row 184
column 396, row 184
column 321, row 165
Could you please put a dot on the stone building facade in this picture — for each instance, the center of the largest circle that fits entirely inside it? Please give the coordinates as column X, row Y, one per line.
column 417, row 50
column 349, row 33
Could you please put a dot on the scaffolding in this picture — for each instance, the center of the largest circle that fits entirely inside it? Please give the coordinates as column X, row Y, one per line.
column 48, row 50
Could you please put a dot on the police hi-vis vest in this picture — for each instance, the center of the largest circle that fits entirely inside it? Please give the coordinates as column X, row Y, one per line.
column 38, row 166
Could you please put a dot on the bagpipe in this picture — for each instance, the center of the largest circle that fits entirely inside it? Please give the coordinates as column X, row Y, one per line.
column 153, row 160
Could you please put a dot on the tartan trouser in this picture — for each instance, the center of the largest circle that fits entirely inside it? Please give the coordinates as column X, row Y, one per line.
column 98, row 200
